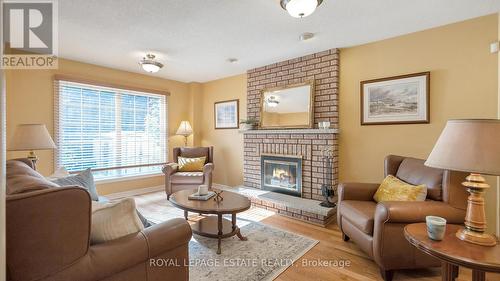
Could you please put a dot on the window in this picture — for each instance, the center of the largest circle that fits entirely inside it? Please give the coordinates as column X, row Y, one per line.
column 115, row 132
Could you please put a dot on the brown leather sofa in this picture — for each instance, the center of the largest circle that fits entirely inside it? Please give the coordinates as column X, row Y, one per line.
column 48, row 237
column 175, row 180
column 378, row 228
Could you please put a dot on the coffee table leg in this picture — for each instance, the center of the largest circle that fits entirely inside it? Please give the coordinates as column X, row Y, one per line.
column 455, row 272
column 448, row 271
column 219, row 226
column 186, row 215
column 478, row 275
column 238, row 233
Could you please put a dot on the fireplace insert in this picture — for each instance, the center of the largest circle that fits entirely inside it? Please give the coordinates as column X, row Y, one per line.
column 282, row 173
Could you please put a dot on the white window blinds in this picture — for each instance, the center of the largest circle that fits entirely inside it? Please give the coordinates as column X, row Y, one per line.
column 115, row 132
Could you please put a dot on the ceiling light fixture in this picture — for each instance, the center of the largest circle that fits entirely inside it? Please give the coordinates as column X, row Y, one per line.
column 300, row 8
column 272, row 101
column 306, row 36
column 150, row 64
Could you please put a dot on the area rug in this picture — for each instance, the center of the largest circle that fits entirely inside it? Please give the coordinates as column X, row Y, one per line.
column 266, row 254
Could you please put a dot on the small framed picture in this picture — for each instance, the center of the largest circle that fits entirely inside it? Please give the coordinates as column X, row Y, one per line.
column 400, row 99
column 227, row 114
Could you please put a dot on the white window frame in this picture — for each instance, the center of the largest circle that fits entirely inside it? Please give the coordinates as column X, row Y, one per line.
column 117, row 89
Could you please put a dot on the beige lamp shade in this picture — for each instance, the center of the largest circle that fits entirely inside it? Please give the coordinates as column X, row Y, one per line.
column 468, row 146
column 31, row 137
column 184, row 129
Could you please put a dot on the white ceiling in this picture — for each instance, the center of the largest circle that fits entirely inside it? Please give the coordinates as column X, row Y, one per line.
column 194, row 38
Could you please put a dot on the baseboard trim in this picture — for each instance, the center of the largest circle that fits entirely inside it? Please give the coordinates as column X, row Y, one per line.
column 134, row 192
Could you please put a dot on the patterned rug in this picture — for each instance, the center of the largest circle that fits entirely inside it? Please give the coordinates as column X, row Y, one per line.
column 266, row 254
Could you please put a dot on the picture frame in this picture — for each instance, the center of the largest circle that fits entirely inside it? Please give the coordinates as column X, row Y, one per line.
column 403, row 99
column 227, row 114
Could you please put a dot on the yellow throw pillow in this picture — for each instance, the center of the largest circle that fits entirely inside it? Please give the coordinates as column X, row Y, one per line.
column 191, row 164
column 394, row 189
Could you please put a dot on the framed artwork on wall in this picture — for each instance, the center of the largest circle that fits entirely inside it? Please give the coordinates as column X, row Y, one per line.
column 400, row 99
column 226, row 114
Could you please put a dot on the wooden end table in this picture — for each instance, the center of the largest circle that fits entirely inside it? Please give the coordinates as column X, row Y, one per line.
column 213, row 226
column 454, row 252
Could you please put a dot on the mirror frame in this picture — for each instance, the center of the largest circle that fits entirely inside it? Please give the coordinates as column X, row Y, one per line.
column 310, row 124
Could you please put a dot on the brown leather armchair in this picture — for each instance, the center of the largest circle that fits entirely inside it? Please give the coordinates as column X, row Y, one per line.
column 48, row 237
column 378, row 228
column 175, row 180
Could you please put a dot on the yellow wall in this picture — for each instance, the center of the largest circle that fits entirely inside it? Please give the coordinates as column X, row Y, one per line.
column 228, row 143
column 498, row 116
column 463, row 85
column 30, row 100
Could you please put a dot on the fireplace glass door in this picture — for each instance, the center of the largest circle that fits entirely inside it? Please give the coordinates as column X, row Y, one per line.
column 282, row 174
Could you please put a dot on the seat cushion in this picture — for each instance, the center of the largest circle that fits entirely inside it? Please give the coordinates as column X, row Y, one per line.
column 413, row 171
column 359, row 213
column 187, row 178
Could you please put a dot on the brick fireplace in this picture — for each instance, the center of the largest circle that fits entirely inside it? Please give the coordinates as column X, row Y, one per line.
column 307, row 144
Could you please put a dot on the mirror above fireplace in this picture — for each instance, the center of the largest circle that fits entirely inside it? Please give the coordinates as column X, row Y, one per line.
column 289, row 106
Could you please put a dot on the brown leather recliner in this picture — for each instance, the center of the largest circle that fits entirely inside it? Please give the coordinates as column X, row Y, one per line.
column 378, row 228
column 48, row 237
column 175, row 180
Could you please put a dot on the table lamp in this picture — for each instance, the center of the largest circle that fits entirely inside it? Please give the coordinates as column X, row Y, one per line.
column 470, row 146
column 29, row 137
column 185, row 130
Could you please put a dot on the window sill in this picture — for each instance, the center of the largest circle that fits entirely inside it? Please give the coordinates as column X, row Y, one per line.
column 127, row 178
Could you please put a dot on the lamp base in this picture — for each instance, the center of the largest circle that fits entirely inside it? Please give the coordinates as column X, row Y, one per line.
column 475, row 237
column 475, row 218
column 32, row 156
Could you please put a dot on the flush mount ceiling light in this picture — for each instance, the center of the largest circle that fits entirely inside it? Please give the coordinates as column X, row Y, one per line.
column 300, row 8
column 306, row 36
column 149, row 64
column 272, row 101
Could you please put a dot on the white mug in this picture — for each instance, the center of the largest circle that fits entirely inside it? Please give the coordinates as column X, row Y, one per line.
column 202, row 190
column 436, row 227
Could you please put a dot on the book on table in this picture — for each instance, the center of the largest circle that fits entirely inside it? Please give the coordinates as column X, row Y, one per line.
column 196, row 196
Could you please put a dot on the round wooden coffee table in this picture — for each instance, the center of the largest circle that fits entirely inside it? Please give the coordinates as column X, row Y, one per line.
column 454, row 252
column 213, row 226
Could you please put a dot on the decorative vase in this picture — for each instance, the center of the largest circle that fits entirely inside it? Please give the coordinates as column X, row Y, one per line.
column 246, row 127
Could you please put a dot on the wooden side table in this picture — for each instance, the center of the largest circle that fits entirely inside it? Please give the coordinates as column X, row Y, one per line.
column 454, row 252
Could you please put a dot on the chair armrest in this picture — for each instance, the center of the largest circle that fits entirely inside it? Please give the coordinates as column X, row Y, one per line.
column 208, row 168
column 109, row 258
column 357, row 191
column 414, row 212
column 170, row 168
column 167, row 236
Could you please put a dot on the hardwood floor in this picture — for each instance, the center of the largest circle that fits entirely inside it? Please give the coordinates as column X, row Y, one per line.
column 331, row 249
